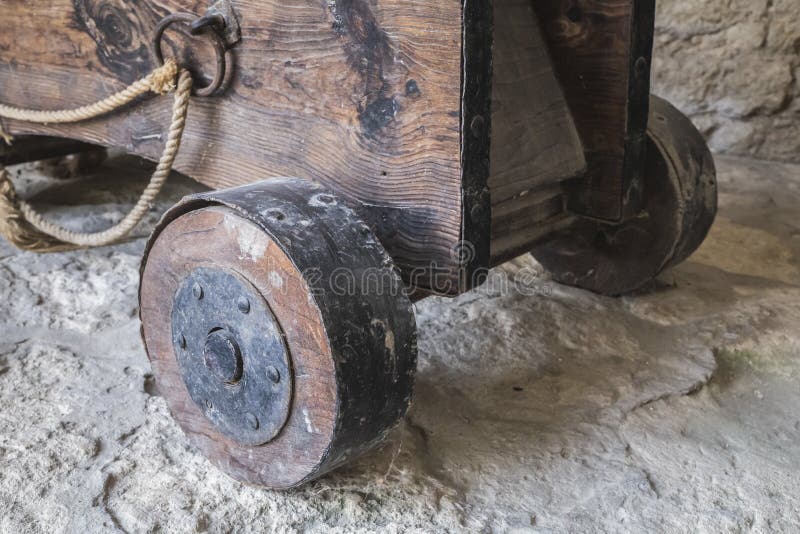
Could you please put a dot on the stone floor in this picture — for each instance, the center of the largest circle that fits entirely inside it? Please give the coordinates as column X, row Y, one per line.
column 677, row 409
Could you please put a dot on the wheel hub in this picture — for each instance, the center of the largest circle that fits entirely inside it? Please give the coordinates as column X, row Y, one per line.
column 231, row 355
column 222, row 356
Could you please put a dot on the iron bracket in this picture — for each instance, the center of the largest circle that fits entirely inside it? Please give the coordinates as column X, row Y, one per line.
column 231, row 31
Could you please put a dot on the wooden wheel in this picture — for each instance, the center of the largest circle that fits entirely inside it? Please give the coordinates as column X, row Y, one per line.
column 680, row 203
column 278, row 330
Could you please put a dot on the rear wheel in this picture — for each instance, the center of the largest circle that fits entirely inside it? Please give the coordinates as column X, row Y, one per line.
column 679, row 206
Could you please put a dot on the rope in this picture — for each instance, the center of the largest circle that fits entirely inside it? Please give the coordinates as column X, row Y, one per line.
column 8, row 138
column 27, row 229
column 160, row 81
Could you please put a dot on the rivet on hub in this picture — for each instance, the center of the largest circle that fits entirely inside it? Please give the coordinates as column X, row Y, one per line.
column 243, row 304
column 273, row 374
column 252, row 420
column 197, row 291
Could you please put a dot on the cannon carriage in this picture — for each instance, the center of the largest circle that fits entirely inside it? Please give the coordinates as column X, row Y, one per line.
column 361, row 154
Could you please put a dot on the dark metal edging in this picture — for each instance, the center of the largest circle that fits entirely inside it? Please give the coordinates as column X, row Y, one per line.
column 473, row 251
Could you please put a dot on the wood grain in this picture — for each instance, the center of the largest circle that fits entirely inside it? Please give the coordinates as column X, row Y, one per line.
column 535, row 144
column 386, row 103
column 364, row 97
column 601, row 51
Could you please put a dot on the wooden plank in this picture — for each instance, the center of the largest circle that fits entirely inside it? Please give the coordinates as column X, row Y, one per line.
column 523, row 222
column 602, row 51
column 517, row 243
column 362, row 96
column 535, row 144
column 534, row 138
column 36, row 148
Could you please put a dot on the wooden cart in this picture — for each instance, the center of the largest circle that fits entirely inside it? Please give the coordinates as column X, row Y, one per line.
column 425, row 141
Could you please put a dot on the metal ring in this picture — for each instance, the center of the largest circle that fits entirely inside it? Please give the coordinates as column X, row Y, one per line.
column 216, row 39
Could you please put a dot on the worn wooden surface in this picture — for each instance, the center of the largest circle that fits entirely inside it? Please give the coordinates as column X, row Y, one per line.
column 370, row 98
column 364, row 97
column 521, row 224
column 535, row 144
column 601, row 50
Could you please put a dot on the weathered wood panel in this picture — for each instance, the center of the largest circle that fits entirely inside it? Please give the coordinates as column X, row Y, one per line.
column 601, row 51
column 534, row 138
column 362, row 96
column 521, row 223
column 535, row 143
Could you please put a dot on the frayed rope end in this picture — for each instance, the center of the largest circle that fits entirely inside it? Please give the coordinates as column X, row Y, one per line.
column 18, row 231
column 164, row 79
column 7, row 137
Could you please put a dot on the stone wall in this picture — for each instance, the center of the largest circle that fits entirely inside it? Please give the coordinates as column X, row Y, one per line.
column 733, row 66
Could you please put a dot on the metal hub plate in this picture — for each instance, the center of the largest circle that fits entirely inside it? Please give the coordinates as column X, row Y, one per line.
column 232, row 355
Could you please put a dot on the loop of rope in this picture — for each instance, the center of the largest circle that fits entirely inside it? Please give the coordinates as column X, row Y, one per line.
column 26, row 228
